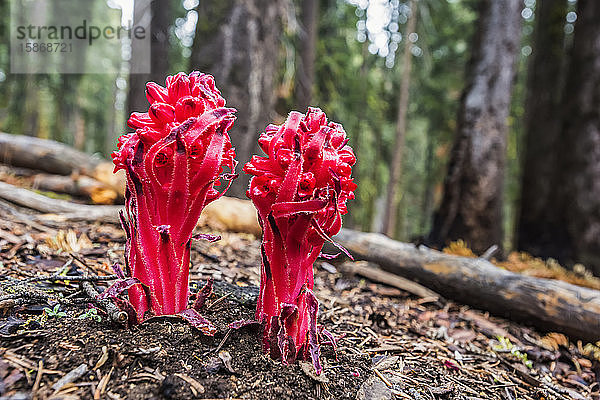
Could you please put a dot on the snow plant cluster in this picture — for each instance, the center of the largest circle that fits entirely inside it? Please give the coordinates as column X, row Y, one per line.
column 180, row 158
column 175, row 161
column 300, row 190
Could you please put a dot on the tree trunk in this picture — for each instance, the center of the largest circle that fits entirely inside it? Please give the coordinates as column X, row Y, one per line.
column 238, row 43
column 580, row 143
column 155, row 16
column 471, row 208
column 392, row 199
column 308, row 44
column 79, row 140
column 136, row 99
column 541, row 229
column 427, row 199
column 32, row 107
column 63, row 97
column 67, row 126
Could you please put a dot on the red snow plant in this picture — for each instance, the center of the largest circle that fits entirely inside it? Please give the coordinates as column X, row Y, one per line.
column 300, row 190
column 174, row 162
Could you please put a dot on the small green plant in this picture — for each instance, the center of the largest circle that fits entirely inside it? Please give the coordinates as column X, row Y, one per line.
column 55, row 312
column 92, row 314
column 505, row 346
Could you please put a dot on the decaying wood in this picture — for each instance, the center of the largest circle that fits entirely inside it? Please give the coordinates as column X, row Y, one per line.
column 375, row 274
column 45, row 155
column 104, row 172
column 57, row 158
column 231, row 214
column 81, row 186
column 547, row 304
column 6, row 207
column 66, row 209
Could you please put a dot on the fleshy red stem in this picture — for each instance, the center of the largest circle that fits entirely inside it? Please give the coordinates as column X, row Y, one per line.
column 285, row 280
column 300, row 190
column 175, row 163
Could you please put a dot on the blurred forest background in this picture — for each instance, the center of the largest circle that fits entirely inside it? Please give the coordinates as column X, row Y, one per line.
column 471, row 119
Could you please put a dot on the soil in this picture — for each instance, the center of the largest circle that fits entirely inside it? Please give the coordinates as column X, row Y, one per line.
column 390, row 344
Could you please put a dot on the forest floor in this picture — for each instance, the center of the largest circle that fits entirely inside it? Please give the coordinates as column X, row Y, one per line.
column 391, row 345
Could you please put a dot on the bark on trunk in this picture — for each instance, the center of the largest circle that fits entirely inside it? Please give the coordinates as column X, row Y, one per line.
column 472, row 205
column 427, row 199
column 541, row 229
column 544, row 303
column 580, row 144
column 308, row 44
column 69, row 125
column 155, row 16
column 238, row 43
column 392, row 199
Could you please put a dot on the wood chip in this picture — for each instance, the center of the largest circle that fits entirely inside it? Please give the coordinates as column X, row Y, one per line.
column 102, row 385
column 103, row 358
column 38, row 379
column 70, row 377
column 386, row 363
column 226, row 358
column 195, row 386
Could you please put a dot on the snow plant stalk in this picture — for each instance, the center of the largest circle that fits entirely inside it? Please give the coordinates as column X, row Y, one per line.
column 300, row 190
column 176, row 161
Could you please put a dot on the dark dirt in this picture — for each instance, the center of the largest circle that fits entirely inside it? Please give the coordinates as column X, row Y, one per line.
column 144, row 362
column 391, row 344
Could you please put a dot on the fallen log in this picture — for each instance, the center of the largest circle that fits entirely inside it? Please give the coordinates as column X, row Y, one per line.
column 547, row 304
column 79, row 186
column 231, row 214
column 68, row 211
column 57, row 158
column 46, row 155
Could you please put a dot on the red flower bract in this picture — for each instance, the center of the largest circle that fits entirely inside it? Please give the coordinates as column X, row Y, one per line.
column 174, row 161
column 300, row 190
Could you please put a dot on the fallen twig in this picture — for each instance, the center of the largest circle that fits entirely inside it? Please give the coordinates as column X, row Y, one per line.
column 38, row 379
column 72, row 376
column 490, row 252
column 23, row 362
column 377, row 275
column 114, row 313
